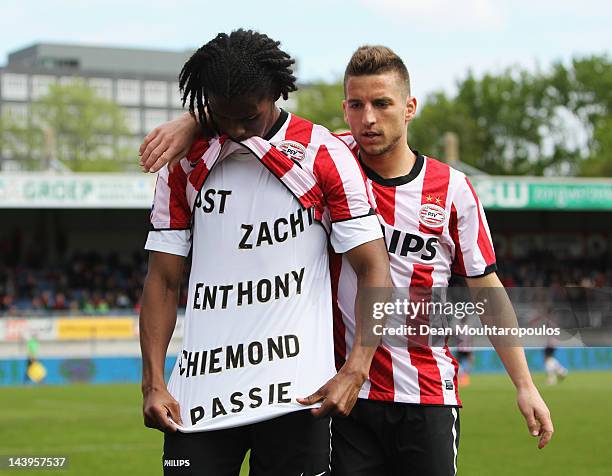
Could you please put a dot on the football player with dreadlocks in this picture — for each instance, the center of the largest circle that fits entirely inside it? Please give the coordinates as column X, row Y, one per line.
column 256, row 204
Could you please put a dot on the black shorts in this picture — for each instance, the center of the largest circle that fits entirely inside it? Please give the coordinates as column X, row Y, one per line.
column 292, row 444
column 393, row 439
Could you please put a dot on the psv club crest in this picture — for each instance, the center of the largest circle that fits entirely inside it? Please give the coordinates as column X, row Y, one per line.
column 293, row 150
column 432, row 215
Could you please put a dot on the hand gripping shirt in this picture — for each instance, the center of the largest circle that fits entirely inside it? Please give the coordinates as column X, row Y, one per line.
column 257, row 216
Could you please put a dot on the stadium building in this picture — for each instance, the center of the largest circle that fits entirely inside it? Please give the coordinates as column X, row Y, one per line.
column 143, row 82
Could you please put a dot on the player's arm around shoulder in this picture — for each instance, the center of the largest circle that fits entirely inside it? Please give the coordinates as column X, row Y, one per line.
column 169, row 142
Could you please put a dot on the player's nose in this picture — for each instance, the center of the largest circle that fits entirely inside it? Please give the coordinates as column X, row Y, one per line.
column 368, row 117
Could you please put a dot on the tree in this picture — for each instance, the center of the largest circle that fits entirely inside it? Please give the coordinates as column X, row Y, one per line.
column 75, row 126
column 586, row 90
column 501, row 121
column 520, row 122
column 321, row 103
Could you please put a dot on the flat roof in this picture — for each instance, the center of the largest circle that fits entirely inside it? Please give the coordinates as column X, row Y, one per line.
column 86, row 58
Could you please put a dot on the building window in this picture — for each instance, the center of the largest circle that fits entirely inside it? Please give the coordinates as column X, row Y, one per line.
column 175, row 95
column 7, row 164
column 104, row 146
column 103, row 87
column 128, row 91
column 154, row 117
column 132, row 120
column 129, row 143
column 40, row 85
column 70, row 80
column 156, row 93
column 15, row 86
column 17, row 149
column 106, row 151
column 68, row 63
column 16, row 113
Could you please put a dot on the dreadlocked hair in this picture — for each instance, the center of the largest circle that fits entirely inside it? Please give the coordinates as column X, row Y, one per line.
column 232, row 65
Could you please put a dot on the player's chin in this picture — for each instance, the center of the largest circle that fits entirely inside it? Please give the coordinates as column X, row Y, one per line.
column 373, row 149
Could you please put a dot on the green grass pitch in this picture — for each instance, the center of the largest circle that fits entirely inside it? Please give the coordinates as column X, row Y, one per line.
column 99, row 427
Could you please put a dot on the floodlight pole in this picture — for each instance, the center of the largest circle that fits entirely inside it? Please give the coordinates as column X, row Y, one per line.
column 451, row 148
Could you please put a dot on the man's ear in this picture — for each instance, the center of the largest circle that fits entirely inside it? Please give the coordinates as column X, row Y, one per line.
column 411, row 108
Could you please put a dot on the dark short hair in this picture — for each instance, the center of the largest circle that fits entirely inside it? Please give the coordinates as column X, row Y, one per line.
column 369, row 60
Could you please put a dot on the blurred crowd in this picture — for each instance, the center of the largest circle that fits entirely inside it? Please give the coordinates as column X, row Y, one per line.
column 96, row 284
column 540, row 270
column 84, row 283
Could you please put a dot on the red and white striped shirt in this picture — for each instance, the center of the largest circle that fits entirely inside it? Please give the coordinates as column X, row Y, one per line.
column 258, row 323
column 434, row 225
column 313, row 164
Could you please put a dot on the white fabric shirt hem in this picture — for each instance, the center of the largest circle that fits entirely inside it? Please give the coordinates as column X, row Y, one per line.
column 174, row 242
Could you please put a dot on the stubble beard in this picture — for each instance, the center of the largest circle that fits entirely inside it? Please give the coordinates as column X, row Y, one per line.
column 379, row 150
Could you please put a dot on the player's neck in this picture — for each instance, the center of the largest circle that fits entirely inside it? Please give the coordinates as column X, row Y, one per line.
column 397, row 162
column 272, row 120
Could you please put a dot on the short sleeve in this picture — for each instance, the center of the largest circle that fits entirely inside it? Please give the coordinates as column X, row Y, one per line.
column 174, row 242
column 348, row 234
column 343, row 185
column 341, row 181
column 469, row 230
column 171, row 210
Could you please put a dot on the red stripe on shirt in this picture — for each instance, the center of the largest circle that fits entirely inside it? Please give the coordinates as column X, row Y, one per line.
column 194, row 156
column 178, row 207
column 435, row 190
column 313, row 198
column 458, row 265
column 381, row 371
column 484, row 244
column 421, row 356
column 299, row 130
column 335, row 268
column 385, row 202
column 329, row 180
column 381, row 375
column 198, row 148
column 277, row 162
column 348, row 139
column 198, row 175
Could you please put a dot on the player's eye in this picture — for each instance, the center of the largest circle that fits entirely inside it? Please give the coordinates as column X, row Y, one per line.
column 354, row 105
column 381, row 104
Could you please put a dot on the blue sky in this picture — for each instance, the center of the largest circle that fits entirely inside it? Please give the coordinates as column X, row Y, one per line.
column 438, row 39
